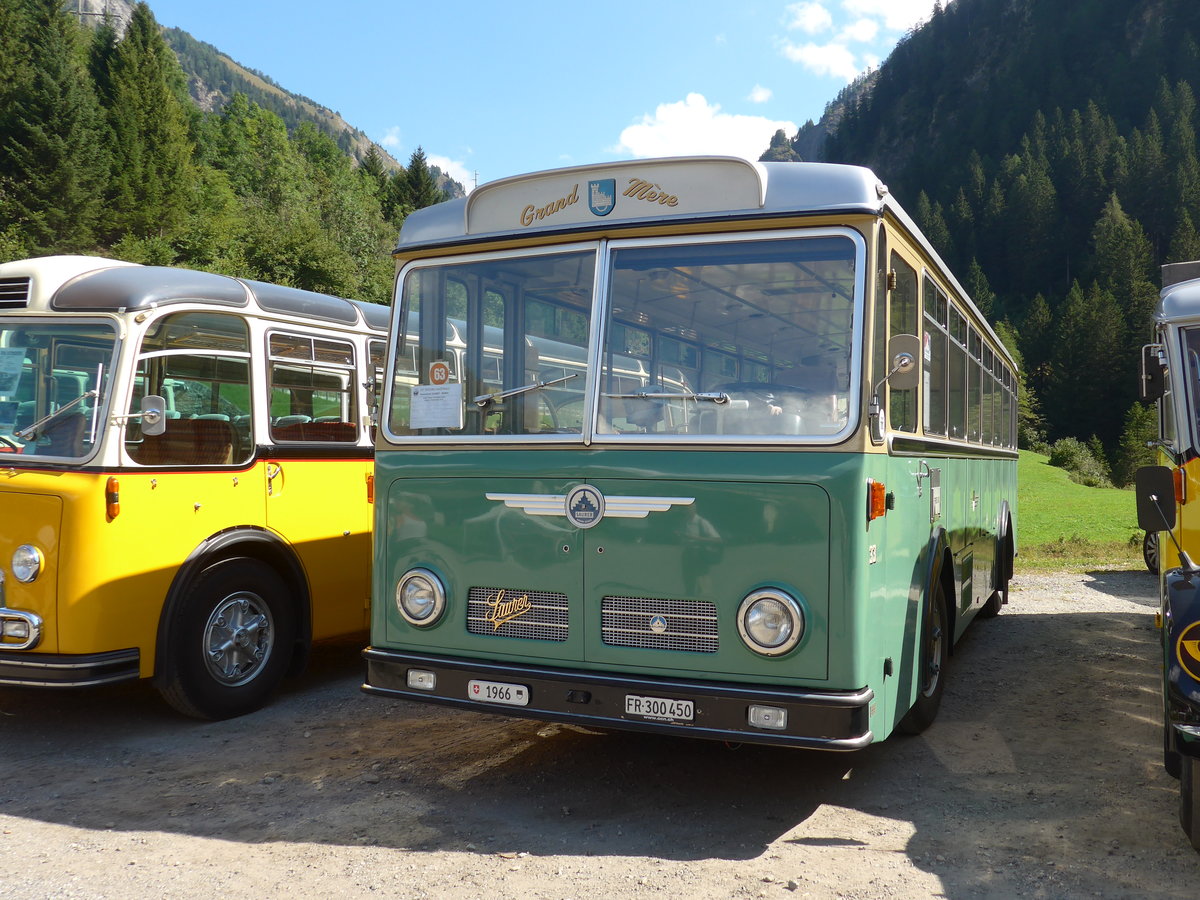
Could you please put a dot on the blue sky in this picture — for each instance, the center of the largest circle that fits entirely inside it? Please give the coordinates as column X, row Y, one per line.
column 491, row 89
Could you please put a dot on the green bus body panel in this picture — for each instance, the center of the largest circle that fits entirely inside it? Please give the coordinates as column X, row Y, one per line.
column 756, row 519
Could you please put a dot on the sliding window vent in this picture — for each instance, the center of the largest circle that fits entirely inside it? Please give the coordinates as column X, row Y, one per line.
column 14, row 293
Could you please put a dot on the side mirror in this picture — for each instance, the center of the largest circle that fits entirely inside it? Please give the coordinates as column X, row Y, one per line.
column 1155, row 492
column 1153, row 381
column 905, row 350
column 154, row 414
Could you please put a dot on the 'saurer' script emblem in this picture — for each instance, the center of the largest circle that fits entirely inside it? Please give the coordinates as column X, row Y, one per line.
column 500, row 610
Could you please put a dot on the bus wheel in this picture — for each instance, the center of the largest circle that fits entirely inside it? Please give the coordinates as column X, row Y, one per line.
column 1189, row 799
column 991, row 608
column 1150, row 551
column 228, row 648
column 932, row 673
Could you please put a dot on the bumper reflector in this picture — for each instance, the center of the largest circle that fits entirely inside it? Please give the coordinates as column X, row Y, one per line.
column 772, row 717
column 421, row 680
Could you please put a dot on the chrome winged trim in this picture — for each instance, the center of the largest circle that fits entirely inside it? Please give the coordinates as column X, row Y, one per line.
column 614, row 507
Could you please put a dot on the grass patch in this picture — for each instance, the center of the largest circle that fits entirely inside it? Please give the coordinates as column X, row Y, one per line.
column 1062, row 525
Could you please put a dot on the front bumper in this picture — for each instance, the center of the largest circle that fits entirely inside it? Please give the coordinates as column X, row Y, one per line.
column 827, row 720
column 53, row 670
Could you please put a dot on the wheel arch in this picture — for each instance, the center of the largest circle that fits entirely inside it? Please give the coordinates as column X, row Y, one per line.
column 940, row 568
column 1006, row 543
column 256, row 543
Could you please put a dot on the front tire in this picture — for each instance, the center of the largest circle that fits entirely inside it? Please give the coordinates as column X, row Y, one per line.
column 935, row 649
column 228, row 648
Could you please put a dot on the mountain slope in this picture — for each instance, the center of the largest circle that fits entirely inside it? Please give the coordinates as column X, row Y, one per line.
column 213, row 78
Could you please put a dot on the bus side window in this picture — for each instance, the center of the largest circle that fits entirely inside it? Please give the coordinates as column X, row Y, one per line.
column 312, row 389
column 207, row 390
column 903, row 320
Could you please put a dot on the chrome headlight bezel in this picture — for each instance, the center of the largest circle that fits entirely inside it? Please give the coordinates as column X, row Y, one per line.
column 756, row 620
column 420, row 597
column 27, row 563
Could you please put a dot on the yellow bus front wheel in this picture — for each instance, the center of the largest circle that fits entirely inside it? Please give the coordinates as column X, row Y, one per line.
column 230, row 642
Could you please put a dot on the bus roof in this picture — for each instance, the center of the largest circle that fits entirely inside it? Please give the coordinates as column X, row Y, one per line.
column 95, row 284
column 630, row 191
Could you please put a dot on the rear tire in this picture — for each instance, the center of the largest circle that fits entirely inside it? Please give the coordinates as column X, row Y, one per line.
column 1150, row 552
column 935, row 649
column 1003, row 567
column 228, row 648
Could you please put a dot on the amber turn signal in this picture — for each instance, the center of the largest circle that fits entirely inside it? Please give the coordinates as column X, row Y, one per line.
column 112, row 498
column 876, row 499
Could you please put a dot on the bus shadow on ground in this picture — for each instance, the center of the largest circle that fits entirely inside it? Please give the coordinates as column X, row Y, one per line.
column 1041, row 775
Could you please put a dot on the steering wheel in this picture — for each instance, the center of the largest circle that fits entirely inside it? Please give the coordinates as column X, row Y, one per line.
column 11, row 442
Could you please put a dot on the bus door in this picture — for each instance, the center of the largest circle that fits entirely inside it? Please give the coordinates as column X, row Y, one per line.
column 316, row 471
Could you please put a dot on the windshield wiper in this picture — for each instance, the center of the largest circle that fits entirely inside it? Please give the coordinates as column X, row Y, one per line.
column 718, row 397
column 485, row 400
column 26, row 433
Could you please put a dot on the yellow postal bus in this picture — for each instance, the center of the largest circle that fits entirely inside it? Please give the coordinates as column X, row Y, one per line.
column 185, row 463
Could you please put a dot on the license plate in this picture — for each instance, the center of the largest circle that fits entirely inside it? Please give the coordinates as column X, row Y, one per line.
column 660, row 708
column 498, row 692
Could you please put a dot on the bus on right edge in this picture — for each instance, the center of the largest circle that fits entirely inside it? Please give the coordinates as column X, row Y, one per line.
column 1168, row 497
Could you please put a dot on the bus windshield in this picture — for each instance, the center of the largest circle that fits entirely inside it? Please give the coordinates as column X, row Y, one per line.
column 53, row 386
column 745, row 338
column 736, row 340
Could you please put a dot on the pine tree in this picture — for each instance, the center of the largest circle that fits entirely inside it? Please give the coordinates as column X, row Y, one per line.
column 1141, row 427
column 978, row 288
column 1124, row 267
column 52, row 139
column 153, row 175
column 1085, row 392
column 422, row 187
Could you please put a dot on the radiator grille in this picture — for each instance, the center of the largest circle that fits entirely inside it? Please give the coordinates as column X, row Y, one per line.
column 689, row 625
column 508, row 612
column 14, row 293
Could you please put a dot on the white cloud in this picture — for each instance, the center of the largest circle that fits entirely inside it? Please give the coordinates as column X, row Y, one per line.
column 759, row 94
column 694, row 126
column 897, row 15
column 825, row 59
column 809, row 17
column 457, row 170
column 391, row 138
column 861, row 31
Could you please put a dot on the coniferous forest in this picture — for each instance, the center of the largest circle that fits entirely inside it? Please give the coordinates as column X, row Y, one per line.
column 1048, row 151
column 103, row 152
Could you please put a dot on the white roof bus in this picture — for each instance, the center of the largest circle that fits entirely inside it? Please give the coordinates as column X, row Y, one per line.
column 185, row 460
column 697, row 446
column 1169, row 511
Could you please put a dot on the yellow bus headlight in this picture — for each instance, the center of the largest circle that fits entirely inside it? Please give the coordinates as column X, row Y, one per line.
column 420, row 597
column 770, row 622
column 26, row 563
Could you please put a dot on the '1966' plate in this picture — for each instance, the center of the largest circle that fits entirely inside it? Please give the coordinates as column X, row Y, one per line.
column 660, row 708
column 498, row 692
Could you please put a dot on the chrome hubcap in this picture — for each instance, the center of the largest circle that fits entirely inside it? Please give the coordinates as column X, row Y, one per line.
column 238, row 639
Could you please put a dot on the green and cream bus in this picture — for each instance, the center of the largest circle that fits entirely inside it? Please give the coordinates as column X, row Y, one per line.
column 696, row 446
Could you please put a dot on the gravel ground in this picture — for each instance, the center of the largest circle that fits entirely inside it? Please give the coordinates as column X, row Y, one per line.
column 1041, row 778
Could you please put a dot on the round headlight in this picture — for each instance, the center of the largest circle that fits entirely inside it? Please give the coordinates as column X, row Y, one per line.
column 770, row 622
column 26, row 563
column 420, row 597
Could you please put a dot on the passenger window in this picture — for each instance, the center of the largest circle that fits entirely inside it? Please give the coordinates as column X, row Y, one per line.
column 312, row 389
column 200, row 364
